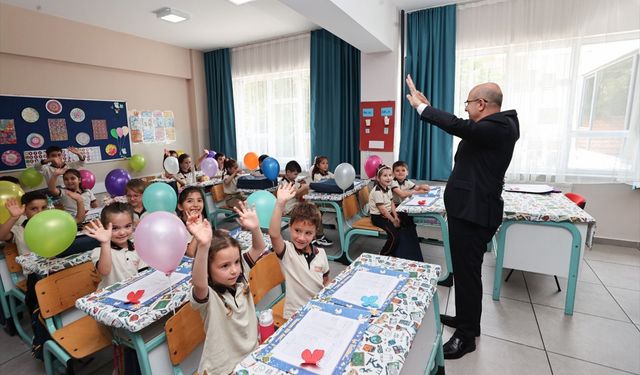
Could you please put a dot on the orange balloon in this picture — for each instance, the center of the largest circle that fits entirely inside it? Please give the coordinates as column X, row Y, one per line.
column 251, row 160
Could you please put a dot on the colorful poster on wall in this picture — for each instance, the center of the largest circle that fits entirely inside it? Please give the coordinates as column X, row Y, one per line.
column 169, row 126
column 158, row 124
column 152, row 126
column 7, row 132
column 135, row 123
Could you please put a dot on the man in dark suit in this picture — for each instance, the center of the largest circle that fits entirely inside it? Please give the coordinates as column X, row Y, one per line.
column 473, row 197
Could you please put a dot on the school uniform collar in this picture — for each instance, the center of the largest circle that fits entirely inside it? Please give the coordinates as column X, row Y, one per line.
column 221, row 289
column 24, row 223
column 384, row 190
column 129, row 246
column 141, row 212
column 314, row 251
column 285, row 179
column 401, row 183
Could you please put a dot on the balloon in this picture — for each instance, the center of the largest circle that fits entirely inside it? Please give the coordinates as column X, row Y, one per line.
column 371, row 165
column 344, row 175
column 119, row 131
column 31, row 178
column 125, row 130
column 251, row 160
column 8, row 190
column 114, row 133
column 159, row 196
column 180, row 152
column 50, row 232
column 212, row 154
column 116, row 182
column 265, row 203
column 161, row 240
column 171, row 165
column 87, row 179
column 209, row 167
column 137, row 162
column 271, row 168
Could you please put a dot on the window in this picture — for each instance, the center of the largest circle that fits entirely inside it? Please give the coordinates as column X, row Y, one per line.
column 271, row 99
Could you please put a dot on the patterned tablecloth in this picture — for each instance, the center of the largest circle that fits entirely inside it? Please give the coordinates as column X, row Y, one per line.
column 337, row 197
column 135, row 320
column 33, row 263
column 204, row 184
column 522, row 206
column 388, row 339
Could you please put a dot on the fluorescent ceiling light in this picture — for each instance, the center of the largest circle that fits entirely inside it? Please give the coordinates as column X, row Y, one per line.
column 240, row 2
column 171, row 15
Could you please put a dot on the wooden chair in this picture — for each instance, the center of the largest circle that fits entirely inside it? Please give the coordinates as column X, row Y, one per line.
column 217, row 191
column 185, row 333
column 359, row 225
column 16, row 295
column 264, row 276
column 58, row 293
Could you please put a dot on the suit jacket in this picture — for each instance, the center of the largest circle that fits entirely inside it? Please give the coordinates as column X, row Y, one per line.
column 474, row 189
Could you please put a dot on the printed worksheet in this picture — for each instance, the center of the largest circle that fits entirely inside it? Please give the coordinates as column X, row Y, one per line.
column 153, row 284
column 317, row 330
column 367, row 288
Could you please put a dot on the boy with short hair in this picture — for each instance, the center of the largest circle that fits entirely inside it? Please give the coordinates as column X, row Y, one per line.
column 55, row 160
column 32, row 203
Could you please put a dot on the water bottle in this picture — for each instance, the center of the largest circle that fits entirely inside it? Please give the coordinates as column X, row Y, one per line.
column 265, row 324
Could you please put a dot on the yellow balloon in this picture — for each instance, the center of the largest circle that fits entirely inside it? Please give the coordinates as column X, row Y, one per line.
column 8, row 190
column 180, row 152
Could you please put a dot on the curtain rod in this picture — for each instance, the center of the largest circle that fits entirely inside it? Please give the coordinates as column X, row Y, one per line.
column 455, row 2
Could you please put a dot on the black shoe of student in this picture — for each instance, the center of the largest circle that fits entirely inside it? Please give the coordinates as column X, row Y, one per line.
column 457, row 347
column 450, row 321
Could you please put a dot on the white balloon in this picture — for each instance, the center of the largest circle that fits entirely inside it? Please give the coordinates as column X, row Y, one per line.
column 171, row 165
column 344, row 175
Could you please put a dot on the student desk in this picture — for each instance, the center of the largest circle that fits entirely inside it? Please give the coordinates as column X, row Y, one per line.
column 35, row 264
column 404, row 339
column 544, row 233
column 435, row 211
column 334, row 200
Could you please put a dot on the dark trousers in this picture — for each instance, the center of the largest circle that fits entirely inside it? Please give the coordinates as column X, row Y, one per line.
column 468, row 243
column 391, row 245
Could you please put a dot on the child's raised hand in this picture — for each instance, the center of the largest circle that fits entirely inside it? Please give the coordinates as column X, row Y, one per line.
column 286, row 192
column 199, row 228
column 60, row 171
column 15, row 209
column 247, row 216
column 75, row 150
column 73, row 195
column 96, row 230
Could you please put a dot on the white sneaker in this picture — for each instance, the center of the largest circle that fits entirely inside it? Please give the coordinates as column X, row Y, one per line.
column 323, row 241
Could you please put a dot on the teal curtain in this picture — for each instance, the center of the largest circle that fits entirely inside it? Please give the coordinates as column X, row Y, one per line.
column 335, row 99
column 431, row 61
column 222, row 122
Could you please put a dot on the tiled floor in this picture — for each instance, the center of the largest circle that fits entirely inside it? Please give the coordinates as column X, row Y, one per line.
column 526, row 332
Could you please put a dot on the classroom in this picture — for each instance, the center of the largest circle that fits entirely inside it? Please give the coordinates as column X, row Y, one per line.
column 320, row 187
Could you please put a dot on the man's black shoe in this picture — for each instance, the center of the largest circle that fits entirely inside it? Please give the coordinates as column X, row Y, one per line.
column 457, row 347
column 450, row 321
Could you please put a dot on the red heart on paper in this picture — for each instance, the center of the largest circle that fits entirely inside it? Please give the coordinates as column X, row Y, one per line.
column 311, row 359
column 134, row 297
column 422, row 202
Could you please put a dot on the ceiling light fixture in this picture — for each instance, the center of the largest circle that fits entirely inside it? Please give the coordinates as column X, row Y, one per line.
column 171, row 15
column 240, row 2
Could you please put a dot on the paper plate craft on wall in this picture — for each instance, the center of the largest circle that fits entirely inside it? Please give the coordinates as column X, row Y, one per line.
column 77, row 115
column 83, row 139
column 11, row 158
column 30, row 115
column 35, row 140
column 53, row 106
column 111, row 149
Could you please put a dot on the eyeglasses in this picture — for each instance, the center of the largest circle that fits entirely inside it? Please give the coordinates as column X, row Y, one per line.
column 466, row 102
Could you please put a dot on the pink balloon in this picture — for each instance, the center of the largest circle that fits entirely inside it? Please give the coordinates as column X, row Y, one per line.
column 119, row 131
column 161, row 240
column 371, row 165
column 209, row 166
column 87, row 179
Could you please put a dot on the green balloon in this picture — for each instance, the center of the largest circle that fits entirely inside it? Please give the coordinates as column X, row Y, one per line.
column 137, row 162
column 114, row 133
column 31, row 178
column 50, row 232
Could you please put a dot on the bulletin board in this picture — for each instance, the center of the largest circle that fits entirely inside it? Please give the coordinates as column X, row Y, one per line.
column 28, row 125
column 376, row 125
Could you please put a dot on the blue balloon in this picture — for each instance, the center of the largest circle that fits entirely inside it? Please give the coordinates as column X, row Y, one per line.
column 264, row 203
column 271, row 168
column 159, row 197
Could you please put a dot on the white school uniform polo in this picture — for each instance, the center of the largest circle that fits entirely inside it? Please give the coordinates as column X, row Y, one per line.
column 319, row 176
column 18, row 238
column 124, row 264
column 377, row 196
column 70, row 205
column 231, row 187
column 229, row 337
column 407, row 185
column 303, row 280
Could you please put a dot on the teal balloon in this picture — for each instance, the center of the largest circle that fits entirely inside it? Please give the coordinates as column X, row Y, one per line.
column 264, row 203
column 50, row 232
column 159, row 197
